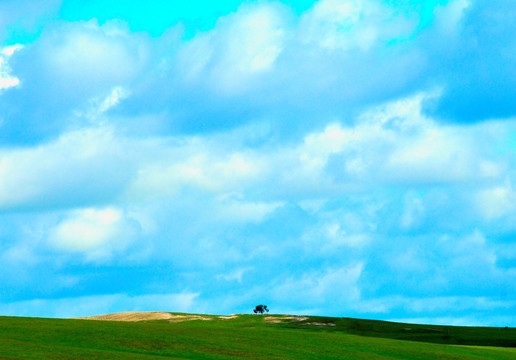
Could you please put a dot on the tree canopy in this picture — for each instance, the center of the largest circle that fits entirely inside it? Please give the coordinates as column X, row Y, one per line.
column 259, row 309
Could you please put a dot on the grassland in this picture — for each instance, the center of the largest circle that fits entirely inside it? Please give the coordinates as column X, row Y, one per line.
column 248, row 337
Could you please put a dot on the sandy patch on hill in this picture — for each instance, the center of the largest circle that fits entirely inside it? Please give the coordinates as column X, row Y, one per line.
column 146, row 316
column 180, row 318
column 131, row 316
column 318, row 324
column 228, row 317
column 285, row 318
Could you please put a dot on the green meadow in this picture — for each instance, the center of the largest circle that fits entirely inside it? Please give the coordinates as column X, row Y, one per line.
column 249, row 337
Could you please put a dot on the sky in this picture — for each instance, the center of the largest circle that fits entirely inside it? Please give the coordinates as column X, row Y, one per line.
column 348, row 158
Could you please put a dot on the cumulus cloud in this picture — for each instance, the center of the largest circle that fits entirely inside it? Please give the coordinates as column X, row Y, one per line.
column 343, row 24
column 196, row 164
column 397, row 143
column 91, row 54
column 76, row 63
column 497, row 201
column 242, row 45
column 79, row 168
column 6, row 79
column 236, row 74
column 392, row 144
column 234, row 210
column 95, row 232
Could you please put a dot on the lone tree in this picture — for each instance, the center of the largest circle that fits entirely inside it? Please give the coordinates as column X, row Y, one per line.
column 259, row 309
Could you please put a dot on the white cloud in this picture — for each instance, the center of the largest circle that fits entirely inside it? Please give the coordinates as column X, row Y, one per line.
column 7, row 80
column 497, row 201
column 241, row 45
column 93, row 53
column 229, row 208
column 97, row 233
column 10, row 50
column 397, row 143
column 392, row 144
column 259, row 40
column 117, row 94
column 96, row 110
column 377, row 133
column 345, row 24
column 434, row 155
column 80, row 167
column 81, row 60
column 197, row 164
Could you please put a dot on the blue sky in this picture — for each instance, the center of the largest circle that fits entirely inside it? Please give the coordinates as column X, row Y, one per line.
column 335, row 157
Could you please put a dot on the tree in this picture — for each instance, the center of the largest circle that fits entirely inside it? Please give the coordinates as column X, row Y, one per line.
column 260, row 309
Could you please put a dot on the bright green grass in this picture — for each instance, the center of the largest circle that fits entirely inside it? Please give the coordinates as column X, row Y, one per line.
column 246, row 337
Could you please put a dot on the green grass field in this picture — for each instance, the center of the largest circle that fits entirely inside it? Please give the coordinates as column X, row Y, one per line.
column 248, row 337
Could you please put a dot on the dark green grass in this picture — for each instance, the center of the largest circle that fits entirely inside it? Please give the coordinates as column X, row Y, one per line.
column 246, row 337
column 458, row 335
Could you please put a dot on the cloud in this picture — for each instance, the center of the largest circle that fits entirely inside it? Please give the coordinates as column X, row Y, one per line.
column 241, row 46
column 234, row 210
column 196, row 164
column 95, row 232
column 69, row 65
column 349, row 25
column 396, row 143
column 6, row 79
column 497, row 201
column 234, row 74
column 80, row 168
column 91, row 54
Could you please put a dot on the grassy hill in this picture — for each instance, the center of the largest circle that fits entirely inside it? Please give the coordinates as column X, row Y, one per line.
column 185, row 336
